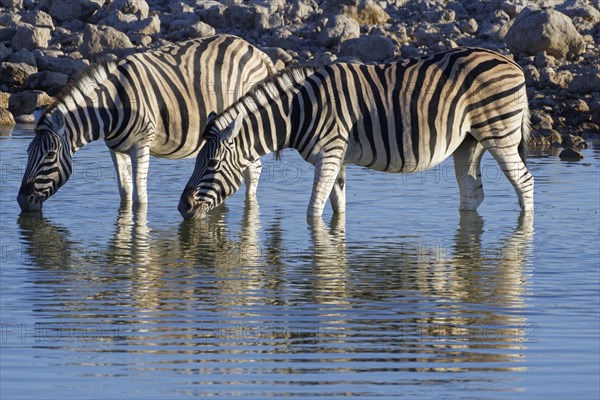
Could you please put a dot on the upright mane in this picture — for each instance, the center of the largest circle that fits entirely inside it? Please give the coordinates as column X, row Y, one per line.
column 268, row 88
column 87, row 80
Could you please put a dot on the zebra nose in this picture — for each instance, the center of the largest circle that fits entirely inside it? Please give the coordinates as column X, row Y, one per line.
column 27, row 199
column 186, row 203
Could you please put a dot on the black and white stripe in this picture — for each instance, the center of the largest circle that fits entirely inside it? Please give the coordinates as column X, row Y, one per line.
column 154, row 102
column 401, row 117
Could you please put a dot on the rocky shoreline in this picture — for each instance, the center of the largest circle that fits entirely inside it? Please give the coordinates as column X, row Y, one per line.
column 44, row 44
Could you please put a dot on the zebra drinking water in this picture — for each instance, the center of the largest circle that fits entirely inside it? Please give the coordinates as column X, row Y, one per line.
column 401, row 117
column 154, row 102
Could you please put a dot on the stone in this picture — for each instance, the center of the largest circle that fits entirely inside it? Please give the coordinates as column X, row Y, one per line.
column 277, row 54
column 30, row 38
column 6, row 34
column 6, row 117
column 427, row 35
column 12, row 4
column 369, row 48
column 25, row 102
column 570, row 154
column 337, row 29
column 5, row 52
column 469, row 26
column 22, row 56
column 551, row 78
column 65, row 65
column 38, row 18
column 586, row 83
column 148, row 26
column 265, row 19
column 50, row 82
column 4, row 99
column 67, row 10
column 102, row 39
column 13, row 74
column 239, row 15
column 139, row 8
column 541, row 120
column 595, row 111
column 200, row 29
column 409, row 51
column 537, row 30
column 580, row 10
column 367, row 12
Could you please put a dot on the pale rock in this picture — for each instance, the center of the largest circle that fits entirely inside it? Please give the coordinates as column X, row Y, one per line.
column 25, row 102
column 586, row 83
column 537, row 30
column 13, row 74
column 148, row 26
column 200, row 29
column 29, row 38
column 6, row 117
column 102, row 39
column 38, row 18
column 368, row 48
column 68, row 10
column 337, row 29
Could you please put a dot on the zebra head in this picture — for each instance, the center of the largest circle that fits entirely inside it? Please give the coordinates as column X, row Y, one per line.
column 218, row 172
column 49, row 163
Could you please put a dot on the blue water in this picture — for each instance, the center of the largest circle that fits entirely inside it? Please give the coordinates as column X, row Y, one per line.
column 406, row 297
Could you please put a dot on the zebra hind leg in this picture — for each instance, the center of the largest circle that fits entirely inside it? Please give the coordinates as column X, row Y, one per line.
column 251, row 178
column 514, row 168
column 338, row 193
column 122, row 163
column 326, row 172
column 467, row 160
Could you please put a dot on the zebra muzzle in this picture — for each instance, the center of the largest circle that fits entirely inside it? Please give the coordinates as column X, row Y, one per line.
column 27, row 199
column 188, row 207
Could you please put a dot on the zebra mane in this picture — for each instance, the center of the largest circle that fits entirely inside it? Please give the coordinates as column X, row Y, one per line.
column 87, row 79
column 267, row 89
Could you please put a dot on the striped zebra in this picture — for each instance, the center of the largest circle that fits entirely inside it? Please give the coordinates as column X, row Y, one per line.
column 154, row 102
column 401, row 117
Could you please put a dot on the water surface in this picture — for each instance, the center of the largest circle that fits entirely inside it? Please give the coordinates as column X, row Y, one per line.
column 406, row 297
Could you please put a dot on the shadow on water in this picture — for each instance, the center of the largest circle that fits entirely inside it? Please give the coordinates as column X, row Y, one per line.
column 432, row 307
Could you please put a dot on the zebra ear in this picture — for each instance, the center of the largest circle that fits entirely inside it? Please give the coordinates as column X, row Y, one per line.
column 233, row 129
column 211, row 117
column 38, row 113
column 58, row 120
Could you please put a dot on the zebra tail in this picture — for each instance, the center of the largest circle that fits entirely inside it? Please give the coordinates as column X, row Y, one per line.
column 525, row 133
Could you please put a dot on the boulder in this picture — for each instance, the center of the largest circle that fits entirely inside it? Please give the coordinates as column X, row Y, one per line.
column 38, row 18
column 25, row 102
column 22, row 56
column 337, row 29
column 266, row 19
column 30, row 38
column 570, row 155
column 148, row 26
column 50, row 82
column 537, row 30
column 102, row 39
column 367, row 12
column 200, row 29
column 369, row 48
column 580, row 10
column 65, row 65
column 67, row 10
column 13, row 74
column 4, row 99
column 6, row 117
column 4, row 52
column 139, row 8
column 586, row 83
column 6, row 34
column 12, row 4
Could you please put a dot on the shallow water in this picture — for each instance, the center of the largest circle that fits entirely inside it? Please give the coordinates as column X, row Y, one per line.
column 408, row 297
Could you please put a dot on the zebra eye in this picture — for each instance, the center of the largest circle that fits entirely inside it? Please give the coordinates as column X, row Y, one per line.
column 212, row 163
column 51, row 154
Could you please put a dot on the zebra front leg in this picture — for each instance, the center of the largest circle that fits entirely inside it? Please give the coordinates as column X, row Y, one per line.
column 467, row 160
column 251, row 178
column 122, row 162
column 140, row 159
column 326, row 172
column 338, row 193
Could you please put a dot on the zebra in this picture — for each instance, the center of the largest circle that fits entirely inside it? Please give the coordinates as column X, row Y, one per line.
column 400, row 117
column 155, row 102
